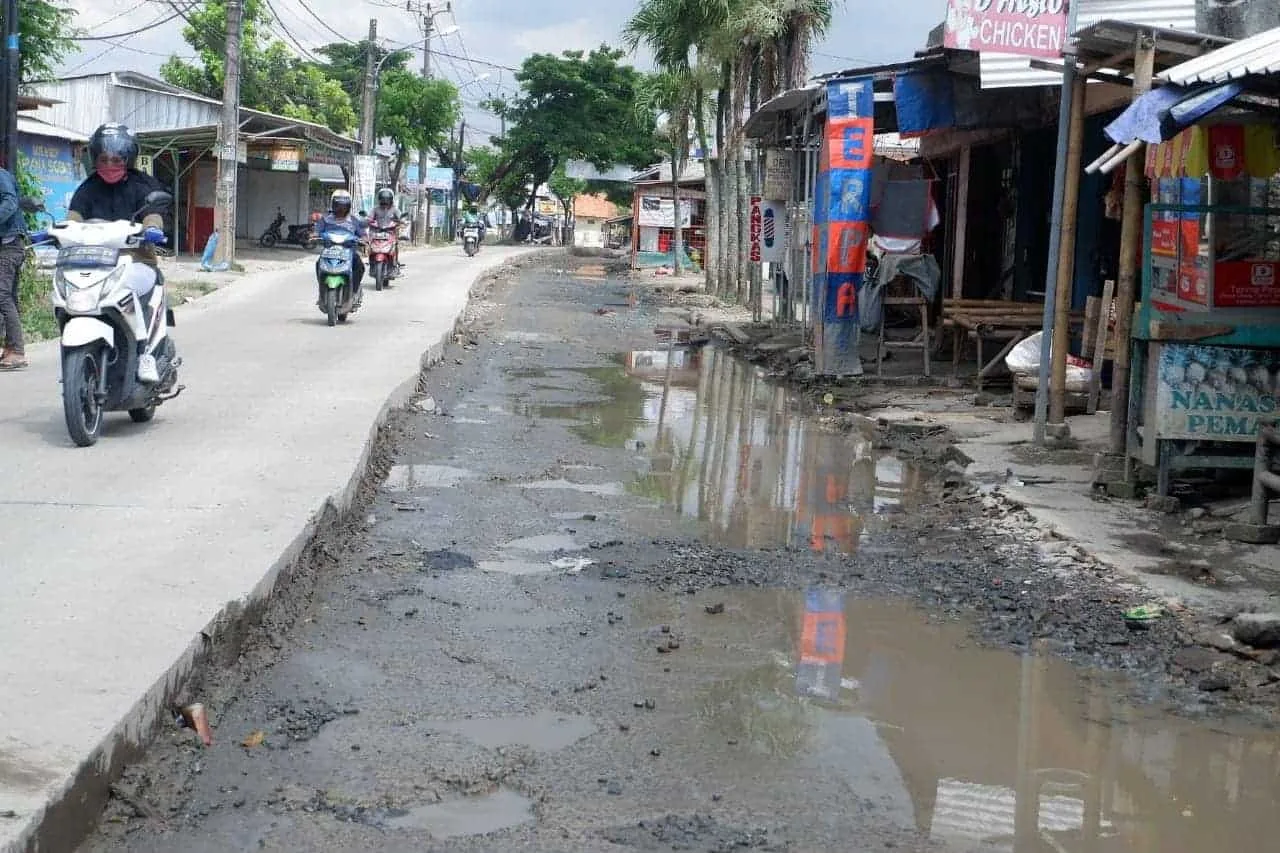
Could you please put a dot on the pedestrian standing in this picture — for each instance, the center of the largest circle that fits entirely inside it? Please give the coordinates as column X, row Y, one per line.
column 13, row 252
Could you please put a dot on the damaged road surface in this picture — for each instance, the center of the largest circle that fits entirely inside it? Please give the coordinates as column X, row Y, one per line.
column 616, row 594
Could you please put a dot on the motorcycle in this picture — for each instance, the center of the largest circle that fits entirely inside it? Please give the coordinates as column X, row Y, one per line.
column 98, row 317
column 471, row 239
column 383, row 255
column 299, row 235
column 335, row 269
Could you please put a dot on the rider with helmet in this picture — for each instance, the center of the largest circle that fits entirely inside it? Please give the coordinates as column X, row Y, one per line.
column 387, row 215
column 118, row 190
column 340, row 218
column 471, row 217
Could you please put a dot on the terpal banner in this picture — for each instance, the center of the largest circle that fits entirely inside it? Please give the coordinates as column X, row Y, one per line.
column 1023, row 27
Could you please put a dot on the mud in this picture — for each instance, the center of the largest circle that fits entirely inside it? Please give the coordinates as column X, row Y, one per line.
column 660, row 603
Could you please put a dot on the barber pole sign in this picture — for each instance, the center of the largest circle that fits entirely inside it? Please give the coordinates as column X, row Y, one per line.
column 757, row 224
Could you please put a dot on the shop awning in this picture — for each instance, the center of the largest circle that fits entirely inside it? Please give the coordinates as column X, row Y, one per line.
column 1255, row 57
column 777, row 110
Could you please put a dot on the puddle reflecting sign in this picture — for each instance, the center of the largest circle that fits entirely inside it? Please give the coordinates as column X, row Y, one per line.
column 822, row 639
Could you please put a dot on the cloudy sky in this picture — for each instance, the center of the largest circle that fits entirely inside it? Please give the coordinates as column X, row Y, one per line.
column 493, row 36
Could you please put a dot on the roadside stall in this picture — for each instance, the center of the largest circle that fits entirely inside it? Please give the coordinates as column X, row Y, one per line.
column 1206, row 340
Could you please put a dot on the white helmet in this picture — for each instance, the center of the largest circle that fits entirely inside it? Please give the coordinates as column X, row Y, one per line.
column 340, row 198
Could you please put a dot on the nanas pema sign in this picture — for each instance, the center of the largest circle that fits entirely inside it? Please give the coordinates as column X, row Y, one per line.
column 1023, row 27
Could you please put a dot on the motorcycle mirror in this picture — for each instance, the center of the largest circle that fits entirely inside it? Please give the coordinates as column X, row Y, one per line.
column 158, row 198
column 31, row 204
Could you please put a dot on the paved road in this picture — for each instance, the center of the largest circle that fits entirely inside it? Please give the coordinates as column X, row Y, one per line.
column 114, row 558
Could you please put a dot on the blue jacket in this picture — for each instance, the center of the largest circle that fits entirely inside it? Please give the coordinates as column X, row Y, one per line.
column 12, row 222
column 350, row 222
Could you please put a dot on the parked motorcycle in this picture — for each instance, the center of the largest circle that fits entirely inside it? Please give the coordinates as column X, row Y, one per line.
column 384, row 250
column 471, row 239
column 299, row 235
column 96, row 313
column 335, row 270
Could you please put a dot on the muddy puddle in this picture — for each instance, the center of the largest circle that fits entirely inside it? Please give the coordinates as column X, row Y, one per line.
column 978, row 749
column 727, row 447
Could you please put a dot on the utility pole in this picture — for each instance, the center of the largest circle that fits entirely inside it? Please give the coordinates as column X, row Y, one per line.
column 370, row 83
column 229, row 138
column 12, row 55
column 424, row 194
column 457, row 175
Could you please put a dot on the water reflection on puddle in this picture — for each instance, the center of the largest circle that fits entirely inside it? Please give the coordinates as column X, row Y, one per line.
column 731, row 449
column 502, row 809
column 403, row 478
column 979, row 749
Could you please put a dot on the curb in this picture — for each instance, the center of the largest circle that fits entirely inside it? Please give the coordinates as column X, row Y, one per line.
column 70, row 815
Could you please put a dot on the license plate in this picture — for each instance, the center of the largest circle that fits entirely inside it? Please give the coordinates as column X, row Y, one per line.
column 337, row 252
column 471, row 232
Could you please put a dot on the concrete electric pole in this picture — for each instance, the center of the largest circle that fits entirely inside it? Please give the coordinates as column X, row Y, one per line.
column 423, row 219
column 229, row 138
column 367, row 108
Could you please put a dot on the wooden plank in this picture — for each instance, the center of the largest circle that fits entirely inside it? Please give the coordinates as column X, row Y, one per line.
column 962, row 218
column 1162, row 330
column 1100, row 345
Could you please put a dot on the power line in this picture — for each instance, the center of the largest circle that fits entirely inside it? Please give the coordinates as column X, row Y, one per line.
column 306, row 8
column 150, row 26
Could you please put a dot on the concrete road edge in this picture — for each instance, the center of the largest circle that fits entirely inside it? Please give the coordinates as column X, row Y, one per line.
column 72, row 813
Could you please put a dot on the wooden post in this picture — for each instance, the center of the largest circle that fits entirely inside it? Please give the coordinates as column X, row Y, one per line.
column 962, row 219
column 1100, row 344
column 1066, row 255
column 1130, row 243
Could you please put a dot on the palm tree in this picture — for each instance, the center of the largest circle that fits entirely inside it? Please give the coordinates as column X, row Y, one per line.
column 677, row 32
column 670, row 95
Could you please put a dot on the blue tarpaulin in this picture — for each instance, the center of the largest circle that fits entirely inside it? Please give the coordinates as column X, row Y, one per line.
column 1160, row 114
column 925, row 102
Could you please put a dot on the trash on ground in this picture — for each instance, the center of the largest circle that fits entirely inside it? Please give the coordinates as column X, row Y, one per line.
column 194, row 716
column 254, row 739
column 571, row 564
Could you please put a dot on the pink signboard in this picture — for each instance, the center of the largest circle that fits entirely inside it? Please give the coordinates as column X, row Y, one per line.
column 1023, row 27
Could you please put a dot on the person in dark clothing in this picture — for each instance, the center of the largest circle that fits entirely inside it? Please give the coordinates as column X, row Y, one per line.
column 13, row 252
column 118, row 190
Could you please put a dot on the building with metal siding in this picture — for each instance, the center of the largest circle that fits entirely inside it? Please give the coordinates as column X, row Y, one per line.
column 179, row 129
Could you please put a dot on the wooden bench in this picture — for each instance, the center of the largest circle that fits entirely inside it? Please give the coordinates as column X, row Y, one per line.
column 982, row 320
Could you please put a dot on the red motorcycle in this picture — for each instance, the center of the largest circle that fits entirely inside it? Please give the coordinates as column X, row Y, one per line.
column 384, row 255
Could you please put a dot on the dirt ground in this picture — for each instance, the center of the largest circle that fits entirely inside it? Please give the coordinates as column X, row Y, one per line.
column 609, row 592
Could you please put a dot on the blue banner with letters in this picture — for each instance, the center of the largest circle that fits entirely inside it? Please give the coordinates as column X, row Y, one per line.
column 53, row 163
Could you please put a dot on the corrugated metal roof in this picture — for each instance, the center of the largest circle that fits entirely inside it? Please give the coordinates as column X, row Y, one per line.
column 1004, row 71
column 1257, row 55
column 36, row 127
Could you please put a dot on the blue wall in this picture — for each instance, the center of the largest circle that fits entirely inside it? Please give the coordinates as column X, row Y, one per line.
column 53, row 163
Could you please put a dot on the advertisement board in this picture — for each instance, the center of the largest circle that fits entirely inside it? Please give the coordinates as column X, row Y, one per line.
column 656, row 212
column 1212, row 393
column 767, row 230
column 1022, row 27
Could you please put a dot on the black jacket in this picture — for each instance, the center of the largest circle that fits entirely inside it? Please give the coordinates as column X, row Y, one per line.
column 97, row 199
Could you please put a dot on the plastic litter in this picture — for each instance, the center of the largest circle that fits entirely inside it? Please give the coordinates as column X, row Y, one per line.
column 1023, row 362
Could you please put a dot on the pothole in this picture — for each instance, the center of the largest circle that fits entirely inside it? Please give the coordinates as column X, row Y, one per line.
column 546, row 543
column 605, row 489
column 503, row 809
column 545, row 731
column 403, row 478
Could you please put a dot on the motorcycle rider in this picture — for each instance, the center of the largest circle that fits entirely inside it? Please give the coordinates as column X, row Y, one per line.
column 118, row 190
column 471, row 218
column 387, row 215
column 340, row 218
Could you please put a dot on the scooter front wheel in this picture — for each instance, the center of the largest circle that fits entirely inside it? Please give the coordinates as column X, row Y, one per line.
column 81, row 370
column 331, row 306
column 267, row 240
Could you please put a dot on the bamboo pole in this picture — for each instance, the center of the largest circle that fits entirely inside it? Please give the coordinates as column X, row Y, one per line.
column 1067, row 256
column 1130, row 243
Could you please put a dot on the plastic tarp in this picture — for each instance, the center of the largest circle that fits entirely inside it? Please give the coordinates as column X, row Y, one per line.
column 1161, row 113
column 925, row 101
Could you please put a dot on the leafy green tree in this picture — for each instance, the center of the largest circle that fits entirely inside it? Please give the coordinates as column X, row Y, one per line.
column 346, row 64
column 47, row 35
column 271, row 78
column 414, row 113
column 483, row 163
column 576, row 106
column 565, row 188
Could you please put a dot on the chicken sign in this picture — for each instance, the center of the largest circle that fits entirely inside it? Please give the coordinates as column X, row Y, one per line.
column 1023, row 27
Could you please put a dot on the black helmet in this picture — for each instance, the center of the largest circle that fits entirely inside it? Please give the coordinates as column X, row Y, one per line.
column 114, row 140
column 386, row 196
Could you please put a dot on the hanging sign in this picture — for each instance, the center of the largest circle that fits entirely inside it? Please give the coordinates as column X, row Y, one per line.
column 1023, row 27
column 777, row 174
column 756, row 223
column 767, row 226
column 146, row 164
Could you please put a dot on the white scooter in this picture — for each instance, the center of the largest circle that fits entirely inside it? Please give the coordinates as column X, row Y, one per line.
column 102, row 321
